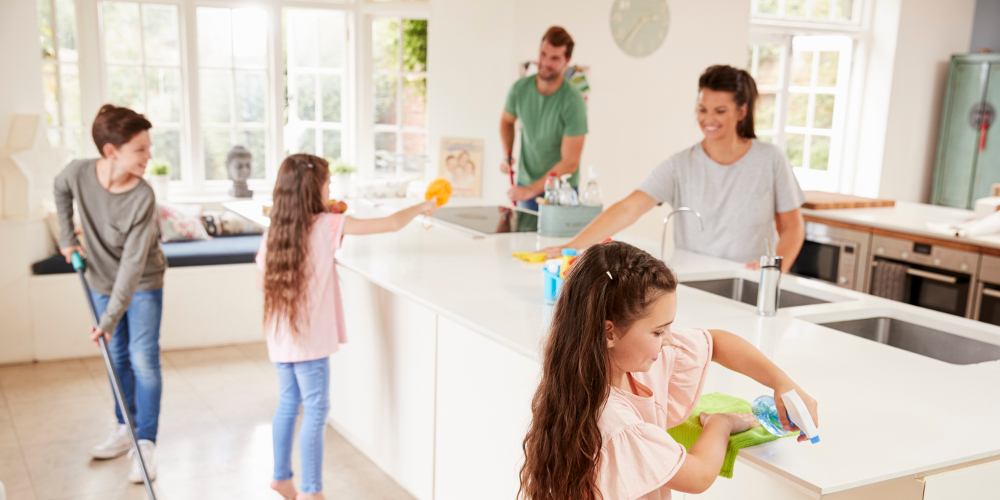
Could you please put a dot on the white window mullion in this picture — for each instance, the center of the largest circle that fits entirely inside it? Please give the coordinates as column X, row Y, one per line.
column 196, row 157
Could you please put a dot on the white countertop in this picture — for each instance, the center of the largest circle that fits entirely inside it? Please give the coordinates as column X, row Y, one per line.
column 911, row 218
column 885, row 413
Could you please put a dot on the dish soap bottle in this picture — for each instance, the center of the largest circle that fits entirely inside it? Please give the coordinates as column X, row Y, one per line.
column 592, row 194
column 567, row 195
column 798, row 415
column 552, row 189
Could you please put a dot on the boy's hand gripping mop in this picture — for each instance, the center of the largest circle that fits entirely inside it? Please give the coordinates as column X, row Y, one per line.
column 116, row 383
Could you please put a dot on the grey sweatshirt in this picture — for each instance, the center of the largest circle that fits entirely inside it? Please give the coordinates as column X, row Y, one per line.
column 123, row 253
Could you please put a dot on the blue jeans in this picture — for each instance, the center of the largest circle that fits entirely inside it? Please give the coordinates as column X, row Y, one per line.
column 305, row 384
column 531, row 204
column 135, row 353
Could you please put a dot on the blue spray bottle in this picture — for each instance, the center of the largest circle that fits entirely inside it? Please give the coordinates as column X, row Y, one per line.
column 798, row 414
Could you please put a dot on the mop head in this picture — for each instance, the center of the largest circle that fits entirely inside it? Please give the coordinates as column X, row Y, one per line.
column 439, row 188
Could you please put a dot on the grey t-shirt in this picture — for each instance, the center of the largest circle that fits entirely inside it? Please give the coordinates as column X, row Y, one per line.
column 737, row 202
column 123, row 253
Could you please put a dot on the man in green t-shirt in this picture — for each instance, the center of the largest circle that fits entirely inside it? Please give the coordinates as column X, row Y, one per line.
column 553, row 118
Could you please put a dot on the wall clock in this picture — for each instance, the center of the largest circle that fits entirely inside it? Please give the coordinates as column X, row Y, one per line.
column 639, row 26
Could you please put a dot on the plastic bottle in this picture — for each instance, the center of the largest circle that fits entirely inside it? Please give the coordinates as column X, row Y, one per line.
column 567, row 195
column 592, row 194
column 798, row 415
column 552, row 189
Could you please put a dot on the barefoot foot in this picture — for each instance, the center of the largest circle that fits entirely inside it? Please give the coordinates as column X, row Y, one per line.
column 286, row 488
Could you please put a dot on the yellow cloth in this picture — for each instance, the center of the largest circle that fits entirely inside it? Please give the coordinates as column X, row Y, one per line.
column 439, row 188
column 532, row 257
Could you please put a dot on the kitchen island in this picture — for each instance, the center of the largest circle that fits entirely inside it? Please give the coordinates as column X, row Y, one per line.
column 445, row 332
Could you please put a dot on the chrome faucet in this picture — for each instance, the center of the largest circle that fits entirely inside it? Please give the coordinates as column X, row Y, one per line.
column 768, row 290
column 667, row 219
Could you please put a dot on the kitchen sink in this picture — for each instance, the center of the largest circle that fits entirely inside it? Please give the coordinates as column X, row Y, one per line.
column 745, row 291
column 919, row 339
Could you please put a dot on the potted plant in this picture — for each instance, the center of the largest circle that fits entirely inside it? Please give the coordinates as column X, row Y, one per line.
column 159, row 178
column 341, row 177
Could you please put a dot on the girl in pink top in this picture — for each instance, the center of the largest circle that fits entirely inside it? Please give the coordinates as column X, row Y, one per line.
column 303, row 316
column 616, row 377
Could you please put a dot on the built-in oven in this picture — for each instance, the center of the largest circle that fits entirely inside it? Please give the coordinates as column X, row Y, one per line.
column 923, row 274
column 987, row 307
column 835, row 255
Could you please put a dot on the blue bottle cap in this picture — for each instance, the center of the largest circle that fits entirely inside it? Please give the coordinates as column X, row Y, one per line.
column 569, row 252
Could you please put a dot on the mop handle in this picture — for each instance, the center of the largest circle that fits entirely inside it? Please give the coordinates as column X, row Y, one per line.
column 116, row 383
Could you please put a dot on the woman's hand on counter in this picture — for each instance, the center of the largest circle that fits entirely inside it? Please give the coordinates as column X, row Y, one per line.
column 783, row 387
column 553, row 252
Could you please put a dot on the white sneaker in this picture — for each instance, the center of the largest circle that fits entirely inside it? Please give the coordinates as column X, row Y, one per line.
column 115, row 445
column 148, row 450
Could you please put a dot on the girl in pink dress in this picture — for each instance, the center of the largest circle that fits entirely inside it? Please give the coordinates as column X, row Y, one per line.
column 303, row 316
column 616, row 376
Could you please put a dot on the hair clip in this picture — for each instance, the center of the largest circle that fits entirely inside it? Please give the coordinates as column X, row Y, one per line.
column 609, row 274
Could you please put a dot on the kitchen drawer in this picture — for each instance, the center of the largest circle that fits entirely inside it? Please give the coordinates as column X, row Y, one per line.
column 989, row 269
column 970, row 483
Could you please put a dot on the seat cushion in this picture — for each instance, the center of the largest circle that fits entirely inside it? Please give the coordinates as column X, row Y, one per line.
column 222, row 250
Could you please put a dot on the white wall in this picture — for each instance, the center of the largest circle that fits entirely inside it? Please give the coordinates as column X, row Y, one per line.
column 904, row 101
column 640, row 110
column 20, row 57
column 985, row 33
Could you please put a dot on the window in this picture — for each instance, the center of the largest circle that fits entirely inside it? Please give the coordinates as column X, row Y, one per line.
column 233, row 87
column 399, row 62
column 274, row 76
column 142, row 56
column 315, row 64
column 835, row 11
column 803, row 83
column 61, row 74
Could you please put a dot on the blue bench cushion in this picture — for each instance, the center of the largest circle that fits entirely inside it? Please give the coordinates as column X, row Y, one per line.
column 220, row 250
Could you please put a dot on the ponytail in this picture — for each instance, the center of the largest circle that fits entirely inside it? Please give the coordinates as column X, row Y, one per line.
column 739, row 83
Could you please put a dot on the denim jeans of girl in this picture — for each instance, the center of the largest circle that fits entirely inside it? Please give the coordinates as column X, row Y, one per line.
column 305, row 384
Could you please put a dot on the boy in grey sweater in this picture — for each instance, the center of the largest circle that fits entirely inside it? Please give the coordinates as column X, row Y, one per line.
column 125, row 267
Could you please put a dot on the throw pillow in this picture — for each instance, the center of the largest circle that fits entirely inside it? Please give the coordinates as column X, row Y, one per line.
column 226, row 223
column 181, row 223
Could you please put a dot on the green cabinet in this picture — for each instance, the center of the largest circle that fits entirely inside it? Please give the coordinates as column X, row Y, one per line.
column 968, row 158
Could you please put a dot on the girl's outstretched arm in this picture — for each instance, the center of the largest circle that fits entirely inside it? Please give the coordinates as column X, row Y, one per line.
column 740, row 356
column 394, row 222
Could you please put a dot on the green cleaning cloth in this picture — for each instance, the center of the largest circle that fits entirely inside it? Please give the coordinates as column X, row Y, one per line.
column 689, row 431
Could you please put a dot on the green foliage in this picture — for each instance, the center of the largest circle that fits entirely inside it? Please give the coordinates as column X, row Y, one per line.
column 159, row 166
column 338, row 167
column 415, row 45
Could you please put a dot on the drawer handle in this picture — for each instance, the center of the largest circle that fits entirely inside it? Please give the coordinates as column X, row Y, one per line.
column 931, row 276
column 989, row 292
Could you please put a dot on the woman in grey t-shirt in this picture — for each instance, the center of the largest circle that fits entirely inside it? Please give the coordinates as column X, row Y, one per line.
column 744, row 189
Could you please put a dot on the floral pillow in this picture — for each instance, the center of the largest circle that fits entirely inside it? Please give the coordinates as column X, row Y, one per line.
column 181, row 223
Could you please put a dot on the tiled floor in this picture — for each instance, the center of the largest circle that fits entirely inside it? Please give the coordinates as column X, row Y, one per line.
column 214, row 440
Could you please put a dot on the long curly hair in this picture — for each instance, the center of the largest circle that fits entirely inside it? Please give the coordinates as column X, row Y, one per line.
column 562, row 449
column 297, row 198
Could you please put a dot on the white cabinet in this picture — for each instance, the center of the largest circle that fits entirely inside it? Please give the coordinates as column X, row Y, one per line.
column 970, row 483
column 382, row 382
column 484, row 393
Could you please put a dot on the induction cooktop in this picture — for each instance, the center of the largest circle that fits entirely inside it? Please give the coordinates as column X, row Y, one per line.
column 489, row 220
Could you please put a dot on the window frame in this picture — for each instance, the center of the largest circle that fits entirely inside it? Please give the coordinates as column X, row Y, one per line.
column 103, row 62
column 774, row 30
column 400, row 128
column 200, row 183
column 63, row 129
column 357, row 106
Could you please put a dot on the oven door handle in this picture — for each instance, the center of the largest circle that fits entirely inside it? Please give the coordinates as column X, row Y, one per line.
column 989, row 292
column 932, row 276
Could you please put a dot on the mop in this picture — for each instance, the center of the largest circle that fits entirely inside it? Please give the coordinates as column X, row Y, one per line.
column 116, row 383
